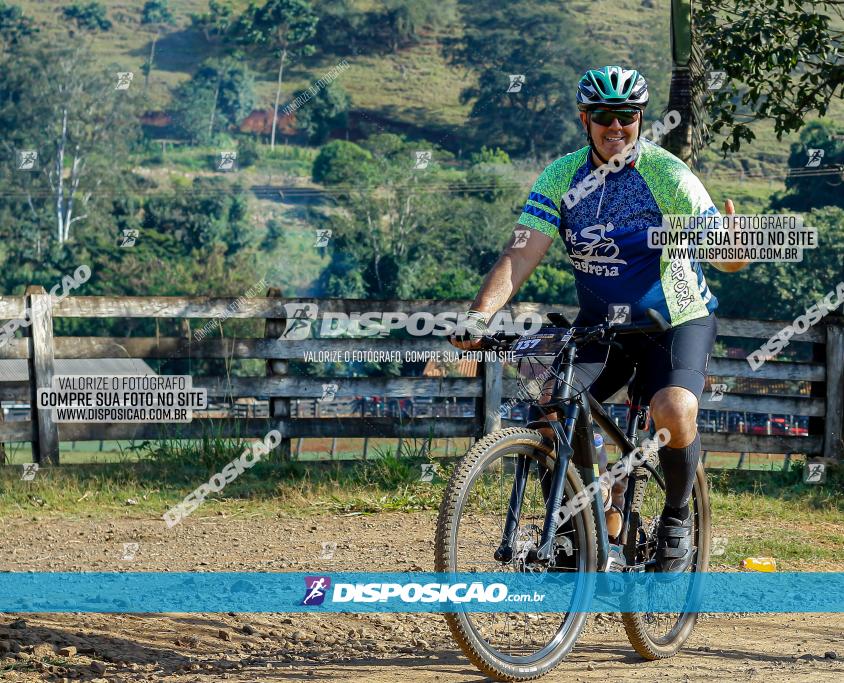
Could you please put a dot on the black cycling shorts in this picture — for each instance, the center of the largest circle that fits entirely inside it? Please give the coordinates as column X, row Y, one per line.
column 678, row 357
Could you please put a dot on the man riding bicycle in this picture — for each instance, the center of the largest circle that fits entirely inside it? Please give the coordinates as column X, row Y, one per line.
column 633, row 196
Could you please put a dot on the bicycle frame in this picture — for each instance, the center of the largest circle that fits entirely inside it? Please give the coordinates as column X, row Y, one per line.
column 579, row 410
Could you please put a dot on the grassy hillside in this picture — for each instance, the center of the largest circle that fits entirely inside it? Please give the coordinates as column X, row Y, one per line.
column 415, row 86
column 415, row 89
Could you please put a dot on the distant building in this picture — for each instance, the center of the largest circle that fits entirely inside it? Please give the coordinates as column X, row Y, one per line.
column 260, row 122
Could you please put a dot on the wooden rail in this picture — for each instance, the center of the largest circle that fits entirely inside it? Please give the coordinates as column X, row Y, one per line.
column 824, row 373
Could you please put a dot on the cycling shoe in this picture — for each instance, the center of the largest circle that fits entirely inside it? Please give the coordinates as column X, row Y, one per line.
column 674, row 544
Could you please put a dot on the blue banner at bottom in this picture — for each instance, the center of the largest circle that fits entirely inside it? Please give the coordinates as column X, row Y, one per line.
column 420, row 592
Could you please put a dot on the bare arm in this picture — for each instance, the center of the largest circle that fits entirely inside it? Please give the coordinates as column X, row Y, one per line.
column 509, row 273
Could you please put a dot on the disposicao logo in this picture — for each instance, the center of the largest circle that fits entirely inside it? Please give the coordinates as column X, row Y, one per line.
column 415, row 592
column 316, row 588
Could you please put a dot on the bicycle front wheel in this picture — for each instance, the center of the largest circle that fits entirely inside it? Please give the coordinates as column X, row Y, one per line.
column 516, row 646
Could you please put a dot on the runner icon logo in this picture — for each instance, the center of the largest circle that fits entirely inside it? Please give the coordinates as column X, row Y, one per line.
column 619, row 314
column 718, row 392
column 316, row 588
column 298, row 320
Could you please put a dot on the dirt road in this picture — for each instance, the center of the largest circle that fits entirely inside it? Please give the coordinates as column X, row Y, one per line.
column 275, row 647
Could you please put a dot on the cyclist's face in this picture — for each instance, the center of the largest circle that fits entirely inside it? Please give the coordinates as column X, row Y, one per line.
column 612, row 138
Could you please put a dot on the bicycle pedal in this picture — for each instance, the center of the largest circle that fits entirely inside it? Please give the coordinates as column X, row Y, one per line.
column 611, row 582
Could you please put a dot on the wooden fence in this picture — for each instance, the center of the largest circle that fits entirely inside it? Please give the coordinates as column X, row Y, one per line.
column 824, row 372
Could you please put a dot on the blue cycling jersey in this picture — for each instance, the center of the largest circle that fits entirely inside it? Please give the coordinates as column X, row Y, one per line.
column 605, row 233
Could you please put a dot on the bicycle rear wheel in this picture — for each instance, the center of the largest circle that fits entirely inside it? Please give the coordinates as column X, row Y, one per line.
column 661, row 635
column 516, row 646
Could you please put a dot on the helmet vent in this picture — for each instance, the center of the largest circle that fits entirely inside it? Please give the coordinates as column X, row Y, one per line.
column 614, row 86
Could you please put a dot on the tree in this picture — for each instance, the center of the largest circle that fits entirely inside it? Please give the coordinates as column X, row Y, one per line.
column 248, row 151
column 216, row 22
column 155, row 13
column 812, row 187
column 88, row 17
column 386, row 25
column 220, row 94
column 537, row 116
column 342, row 29
column 488, row 176
column 397, row 234
column 59, row 103
column 404, row 19
column 326, row 111
column 14, row 26
column 212, row 213
column 341, row 162
column 385, row 224
column 192, row 111
column 550, row 284
column 686, row 88
column 781, row 59
column 273, row 235
column 283, row 27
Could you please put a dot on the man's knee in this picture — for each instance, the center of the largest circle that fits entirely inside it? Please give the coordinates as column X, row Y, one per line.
column 675, row 409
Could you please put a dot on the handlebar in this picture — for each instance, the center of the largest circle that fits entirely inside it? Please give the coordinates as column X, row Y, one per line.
column 604, row 330
column 660, row 324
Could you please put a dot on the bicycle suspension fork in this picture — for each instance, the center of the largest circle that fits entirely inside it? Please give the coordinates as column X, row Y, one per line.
column 563, row 437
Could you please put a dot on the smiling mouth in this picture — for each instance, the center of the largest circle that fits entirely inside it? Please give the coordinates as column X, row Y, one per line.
column 618, row 139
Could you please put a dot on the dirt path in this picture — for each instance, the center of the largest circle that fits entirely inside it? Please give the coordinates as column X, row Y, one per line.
column 244, row 648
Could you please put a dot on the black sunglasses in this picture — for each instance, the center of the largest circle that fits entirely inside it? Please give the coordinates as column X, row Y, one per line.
column 605, row 117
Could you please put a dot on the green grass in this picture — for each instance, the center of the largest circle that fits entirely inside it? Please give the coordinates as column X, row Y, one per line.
column 202, row 160
column 90, row 452
column 175, row 469
column 776, row 515
column 760, row 513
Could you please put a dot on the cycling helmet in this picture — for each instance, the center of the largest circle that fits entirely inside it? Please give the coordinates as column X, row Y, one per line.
column 612, row 86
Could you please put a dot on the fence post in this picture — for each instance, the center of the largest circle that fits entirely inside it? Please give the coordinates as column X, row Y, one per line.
column 45, row 450
column 279, row 407
column 833, row 447
column 3, row 458
column 493, row 385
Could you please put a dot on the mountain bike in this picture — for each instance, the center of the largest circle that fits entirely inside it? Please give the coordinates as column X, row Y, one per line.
column 500, row 510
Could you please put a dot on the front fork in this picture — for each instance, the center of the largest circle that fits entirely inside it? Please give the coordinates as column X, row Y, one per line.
column 563, row 434
column 505, row 551
column 564, row 437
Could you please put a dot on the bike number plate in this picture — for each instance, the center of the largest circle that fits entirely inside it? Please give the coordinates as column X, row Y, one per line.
column 541, row 344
